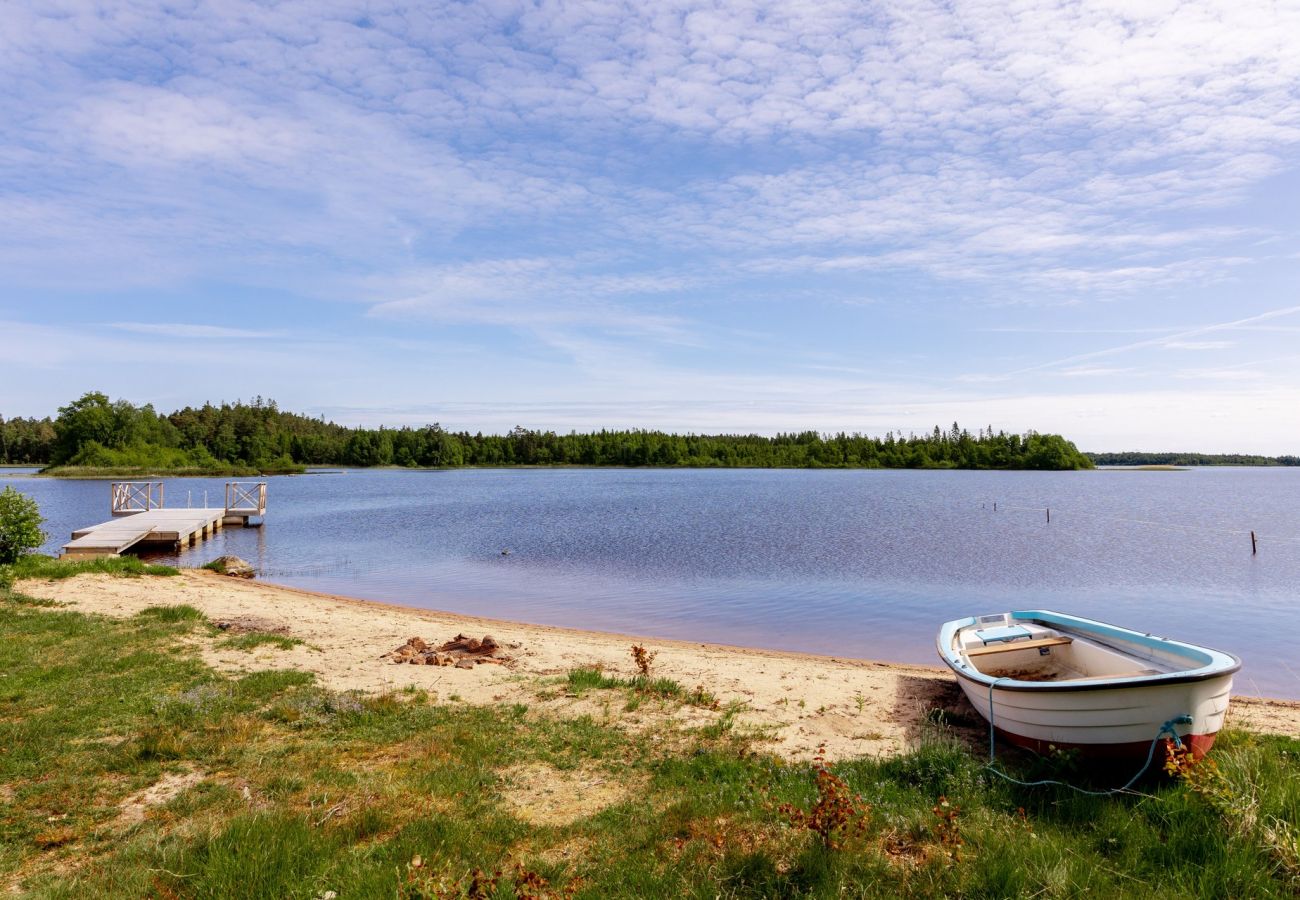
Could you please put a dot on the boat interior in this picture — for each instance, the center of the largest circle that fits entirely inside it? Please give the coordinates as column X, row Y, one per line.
column 1031, row 651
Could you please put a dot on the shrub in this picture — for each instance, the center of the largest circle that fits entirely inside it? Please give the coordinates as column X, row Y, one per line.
column 20, row 525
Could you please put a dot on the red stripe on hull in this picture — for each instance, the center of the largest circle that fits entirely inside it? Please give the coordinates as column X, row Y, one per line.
column 1200, row 745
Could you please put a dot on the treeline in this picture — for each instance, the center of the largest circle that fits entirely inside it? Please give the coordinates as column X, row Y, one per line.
column 1136, row 458
column 26, row 441
column 96, row 433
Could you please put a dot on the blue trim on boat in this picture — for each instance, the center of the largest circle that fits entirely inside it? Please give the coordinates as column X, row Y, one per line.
column 1207, row 663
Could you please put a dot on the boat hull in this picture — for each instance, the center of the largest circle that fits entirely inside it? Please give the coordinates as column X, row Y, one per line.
column 1106, row 722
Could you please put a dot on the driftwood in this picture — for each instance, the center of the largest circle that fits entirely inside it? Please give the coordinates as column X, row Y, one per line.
column 462, row 651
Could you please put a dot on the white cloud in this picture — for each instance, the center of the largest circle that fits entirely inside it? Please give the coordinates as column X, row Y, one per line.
column 540, row 294
column 1159, row 342
column 187, row 330
column 1094, row 371
column 1199, row 345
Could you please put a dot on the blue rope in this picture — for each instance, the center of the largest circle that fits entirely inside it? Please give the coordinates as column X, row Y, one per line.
column 1166, row 728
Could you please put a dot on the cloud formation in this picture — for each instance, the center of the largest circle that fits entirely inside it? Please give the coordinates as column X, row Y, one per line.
column 612, row 181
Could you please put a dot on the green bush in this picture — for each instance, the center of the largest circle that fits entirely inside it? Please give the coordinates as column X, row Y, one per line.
column 20, row 525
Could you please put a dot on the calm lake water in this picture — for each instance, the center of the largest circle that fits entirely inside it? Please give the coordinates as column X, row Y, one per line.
column 851, row 563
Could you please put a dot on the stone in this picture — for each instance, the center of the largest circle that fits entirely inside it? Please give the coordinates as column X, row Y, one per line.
column 234, row 567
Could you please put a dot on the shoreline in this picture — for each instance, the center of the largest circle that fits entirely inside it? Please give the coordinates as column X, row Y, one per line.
column 799, row 702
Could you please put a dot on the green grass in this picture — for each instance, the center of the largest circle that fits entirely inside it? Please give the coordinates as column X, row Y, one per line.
column 39, row 566
column 181, row 612
column 294, row 791
column 255, row 639
column 221, row 469
column 586, row 678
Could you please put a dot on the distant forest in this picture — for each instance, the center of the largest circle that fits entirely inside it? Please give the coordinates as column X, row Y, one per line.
column 1135, row 458
column 93, row 434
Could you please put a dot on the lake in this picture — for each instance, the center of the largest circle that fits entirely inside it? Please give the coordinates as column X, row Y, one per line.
column 850, row 563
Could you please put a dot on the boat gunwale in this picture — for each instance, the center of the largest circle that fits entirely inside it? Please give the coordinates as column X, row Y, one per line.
column 1220, row 662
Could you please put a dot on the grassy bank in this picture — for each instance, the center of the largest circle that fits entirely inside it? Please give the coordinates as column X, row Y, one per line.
column 129, row 768
column 136, row 472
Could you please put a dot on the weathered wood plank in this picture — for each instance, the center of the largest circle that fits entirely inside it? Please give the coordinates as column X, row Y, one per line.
column 1018, row 645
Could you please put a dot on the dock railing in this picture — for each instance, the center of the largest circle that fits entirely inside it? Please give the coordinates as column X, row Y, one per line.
column 245, row 498
column 136, row 496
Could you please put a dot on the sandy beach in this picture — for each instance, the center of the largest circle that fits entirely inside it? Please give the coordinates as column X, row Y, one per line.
column 797, row 702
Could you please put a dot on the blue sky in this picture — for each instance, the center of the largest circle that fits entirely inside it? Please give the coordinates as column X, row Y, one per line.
column 709, row 217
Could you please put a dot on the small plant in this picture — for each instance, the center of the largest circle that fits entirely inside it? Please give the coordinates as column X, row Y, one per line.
column 20, row 525
column 643, row 658
column 837, row 816
column 703, row 698
column 860, row 700
column 1201, row 775
column 421, row 883
column 946, row 831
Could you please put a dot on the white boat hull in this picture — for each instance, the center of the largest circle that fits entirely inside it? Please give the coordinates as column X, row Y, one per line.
column 1046, row 680
column 1108, row 721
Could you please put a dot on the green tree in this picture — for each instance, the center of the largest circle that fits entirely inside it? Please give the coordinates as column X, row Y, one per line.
column 89, row 418
column 20, row 525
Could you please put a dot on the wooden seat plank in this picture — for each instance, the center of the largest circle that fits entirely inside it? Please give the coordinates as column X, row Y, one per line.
column 1019, row 645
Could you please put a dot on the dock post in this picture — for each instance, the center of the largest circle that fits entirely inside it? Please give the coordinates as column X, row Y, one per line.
column 1049, row 515
column 1254, row 547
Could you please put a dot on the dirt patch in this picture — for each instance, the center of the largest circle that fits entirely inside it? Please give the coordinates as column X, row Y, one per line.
column 1264, row 715
column 542, row 795
column 165, row 789
column 251, row 625
column 567, row 852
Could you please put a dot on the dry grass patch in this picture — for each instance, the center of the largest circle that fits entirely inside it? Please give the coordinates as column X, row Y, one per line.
column 543, row 795
column 134, row 808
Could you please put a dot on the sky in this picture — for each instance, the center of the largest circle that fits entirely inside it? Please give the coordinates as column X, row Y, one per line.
column 708, row 217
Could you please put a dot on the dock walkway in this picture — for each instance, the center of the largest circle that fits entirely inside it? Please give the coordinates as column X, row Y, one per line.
column 179, row 527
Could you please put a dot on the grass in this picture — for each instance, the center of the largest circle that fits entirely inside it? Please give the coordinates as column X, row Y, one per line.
column 39, row 566
column 295, row 791
column 182, row 612
column 254, row 639
column 585, row 678
column 223, row 470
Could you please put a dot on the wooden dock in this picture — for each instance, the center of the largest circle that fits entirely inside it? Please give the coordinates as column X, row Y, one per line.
column 178, row 527
column 140, row 518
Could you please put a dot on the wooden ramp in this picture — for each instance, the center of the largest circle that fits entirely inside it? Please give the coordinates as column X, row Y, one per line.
column 178, row 527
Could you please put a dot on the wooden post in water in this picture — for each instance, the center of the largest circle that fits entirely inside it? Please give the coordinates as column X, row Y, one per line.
column 1049, row 515
column 1254, row 547
column 995, row 506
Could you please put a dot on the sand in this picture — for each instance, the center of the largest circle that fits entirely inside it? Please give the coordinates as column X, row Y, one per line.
column 796, row 702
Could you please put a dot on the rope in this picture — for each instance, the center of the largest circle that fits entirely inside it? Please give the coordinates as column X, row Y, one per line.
column 1166, row 728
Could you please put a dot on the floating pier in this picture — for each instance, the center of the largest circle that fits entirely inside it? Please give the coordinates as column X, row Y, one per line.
column 139, row 517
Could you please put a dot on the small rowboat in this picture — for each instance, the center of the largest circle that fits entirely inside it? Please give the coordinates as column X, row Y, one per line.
column 1046, row 680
